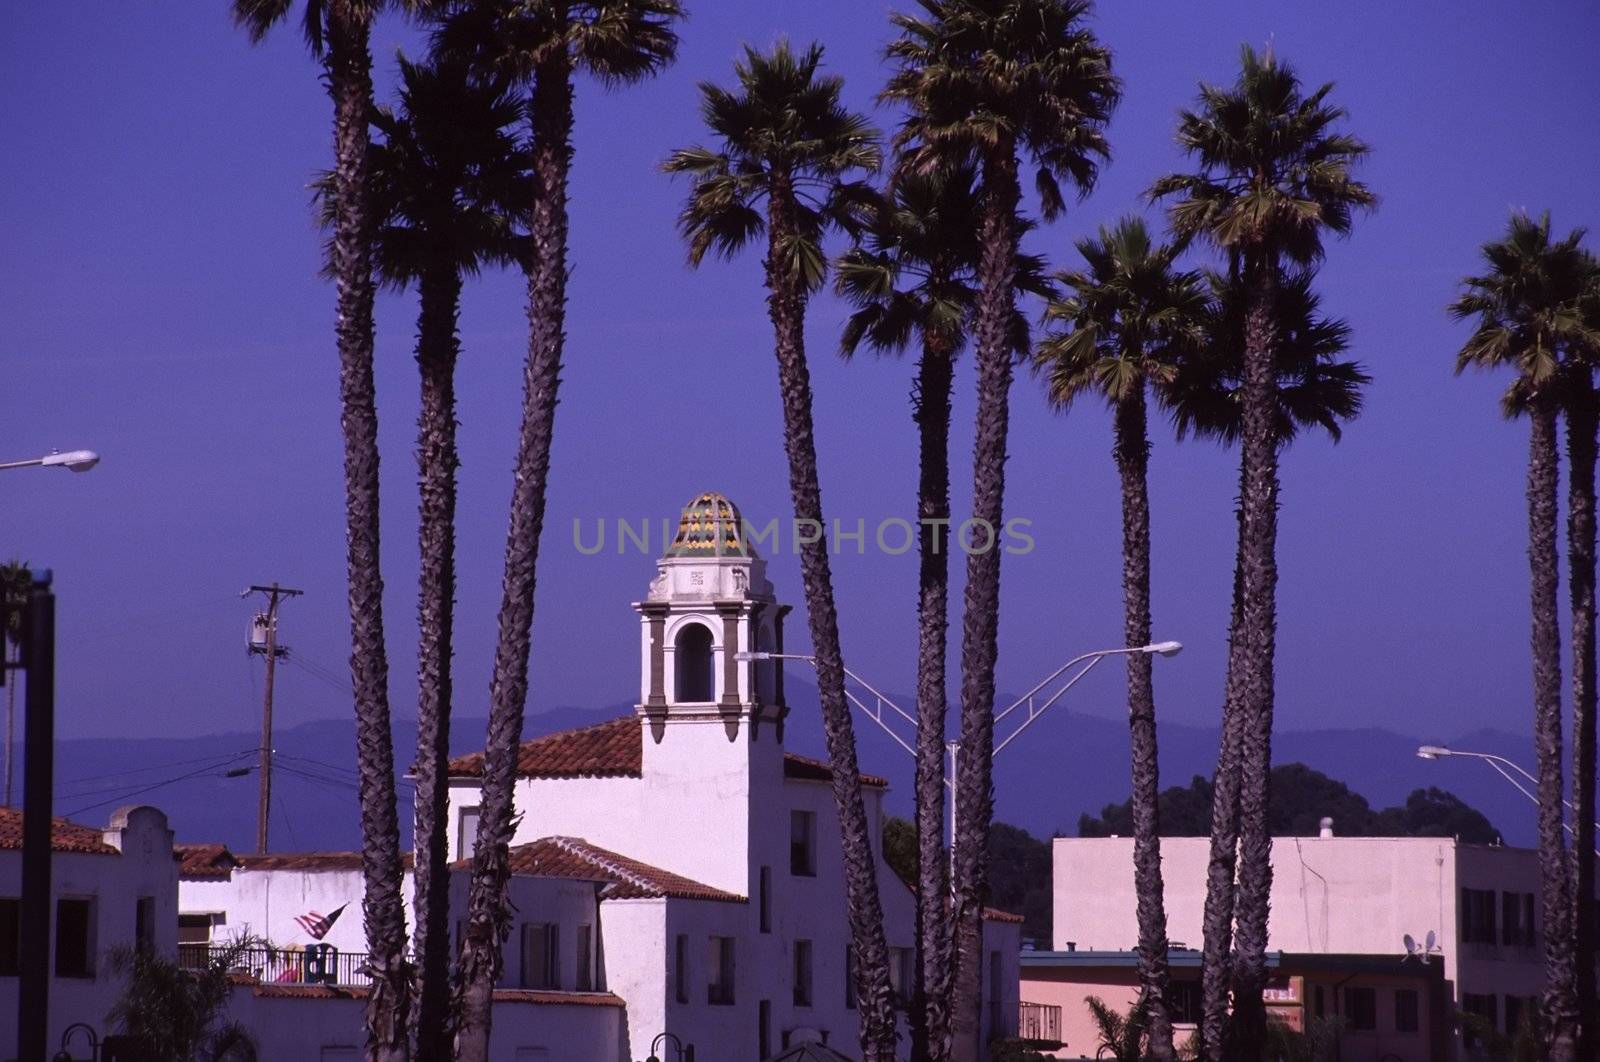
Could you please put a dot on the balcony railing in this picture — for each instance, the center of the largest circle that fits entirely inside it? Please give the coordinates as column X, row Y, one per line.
column 1039, row 1021
column 317, row 964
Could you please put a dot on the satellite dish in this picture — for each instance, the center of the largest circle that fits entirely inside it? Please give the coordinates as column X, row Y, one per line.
column 1411, row 946
column 1432, row 941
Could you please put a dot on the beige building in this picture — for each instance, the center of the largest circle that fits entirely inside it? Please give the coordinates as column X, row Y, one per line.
column 1338, row 896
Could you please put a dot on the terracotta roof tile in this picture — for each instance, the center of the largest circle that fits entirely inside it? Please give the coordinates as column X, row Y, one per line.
column 623, row 878
column 994, row 914
column 613, row 749
column 268, row 990
column 307, row 861
column 64, row 836
column 204, row 862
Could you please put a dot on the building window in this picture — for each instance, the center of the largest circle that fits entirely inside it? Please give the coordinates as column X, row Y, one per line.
column 900, row 976
column 466, row 832
column 1319, row 1002
column 693, row 681
column 144, row 923
column 1406, row 1010
column 1477, row 916
column 680, row 968
column 1361, row 1008
column 764, row 1029
column 803, row 844
column 850, row 989
column 1183, row 1002
column 802, row 973
column 1516, row 919
column 74, row 951
column 194, row 929
column 719, row 971
column 766, row 899
column 585, row 958
column 1519, row 1009
column 1484, row 1009
column 541, row 955
column 10, row 936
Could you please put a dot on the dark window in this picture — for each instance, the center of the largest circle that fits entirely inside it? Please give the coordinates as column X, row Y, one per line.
column 1183, row 1001
column 1405, row 1010
column 850, row 990
column 73, row 919
column 1361, row 1008
column 766, row 899
column 144, row 923
column 1477, row 916
column 802, row 973
column 541, row 955
column 466, row 832
column 1482, row 1007
column 693, row 681
column 719, row 971
column 1516, row 919
column 680, row 968
column 803, row 843
column 585, row 958
column 10, row 936
column 1513, row 1014
column 1319, row 1002
column 764, row 1029
column 194, row 929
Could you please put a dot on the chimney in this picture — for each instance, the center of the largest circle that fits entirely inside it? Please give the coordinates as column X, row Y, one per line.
column 1072, row 945
column 1325, row 827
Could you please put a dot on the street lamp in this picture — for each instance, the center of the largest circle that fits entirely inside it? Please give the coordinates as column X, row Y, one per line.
column 77, row 460
column 1499, row 763
column 1030, row 701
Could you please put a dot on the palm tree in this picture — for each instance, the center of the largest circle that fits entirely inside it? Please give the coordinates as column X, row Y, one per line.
column 1123, row 1037
column 786, row 152
column 1273, row 179
column 451, row 190
column 541, row 44
column 1312, row 388
column 912, row 276
column 987, row 82
column 1128, row 322
column 338, row 32
column 179, row 1014
column 1527, row 307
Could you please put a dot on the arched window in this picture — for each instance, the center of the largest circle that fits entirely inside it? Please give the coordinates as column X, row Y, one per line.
column 692, row 654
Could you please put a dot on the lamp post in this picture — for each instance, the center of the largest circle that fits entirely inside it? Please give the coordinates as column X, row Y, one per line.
column 1500, row 764
column 1029, row 701
column 38, row 640
column 76, row 460
column 684, row 1052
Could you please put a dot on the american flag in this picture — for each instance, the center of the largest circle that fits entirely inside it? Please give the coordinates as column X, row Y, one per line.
column 319, row 924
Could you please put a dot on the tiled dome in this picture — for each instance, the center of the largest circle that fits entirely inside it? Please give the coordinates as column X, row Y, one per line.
column 710, row 527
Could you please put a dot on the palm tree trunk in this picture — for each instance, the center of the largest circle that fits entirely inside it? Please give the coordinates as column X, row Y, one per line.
column 349, row 66
column 930, row 1023
column 1254, row 643
column 440, row 296
column 1560, row 1008
column 488, row 909
column 786, row 305
column 1583, row 418
column 1216, row 970
column 981, row 619
column 1133, row 461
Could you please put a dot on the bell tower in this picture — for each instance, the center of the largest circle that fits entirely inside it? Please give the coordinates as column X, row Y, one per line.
column 712, row 723
column 709, row 603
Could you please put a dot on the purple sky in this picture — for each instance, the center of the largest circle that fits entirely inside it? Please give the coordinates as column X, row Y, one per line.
column 160, row 305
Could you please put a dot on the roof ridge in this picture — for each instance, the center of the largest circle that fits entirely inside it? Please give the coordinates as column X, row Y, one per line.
column 584, row 850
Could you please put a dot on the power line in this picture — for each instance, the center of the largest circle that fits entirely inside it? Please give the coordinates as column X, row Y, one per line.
column 211, row 764
column 145, row 789
column 155, row 767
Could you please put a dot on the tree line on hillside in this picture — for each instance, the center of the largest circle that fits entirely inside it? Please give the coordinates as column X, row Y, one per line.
column 1215, row 321
column 1301, row 798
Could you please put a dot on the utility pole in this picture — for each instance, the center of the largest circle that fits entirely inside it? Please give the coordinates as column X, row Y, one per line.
column 264, row 640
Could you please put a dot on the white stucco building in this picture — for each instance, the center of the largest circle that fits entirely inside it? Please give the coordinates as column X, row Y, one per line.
column 108, row 887
column 1339, row 896
column 675, row 870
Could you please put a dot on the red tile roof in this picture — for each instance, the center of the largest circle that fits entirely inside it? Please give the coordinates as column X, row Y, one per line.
column 613, row 749
column 994, row 914
column 308, row 861
column 64, row 836
column 623, row 878
column 204, row 862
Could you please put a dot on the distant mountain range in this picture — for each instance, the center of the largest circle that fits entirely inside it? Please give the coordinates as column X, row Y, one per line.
column 1072, row 764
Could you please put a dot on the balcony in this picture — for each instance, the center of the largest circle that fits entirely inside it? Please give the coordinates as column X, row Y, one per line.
column 1039, row 1021
column 319, row 964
